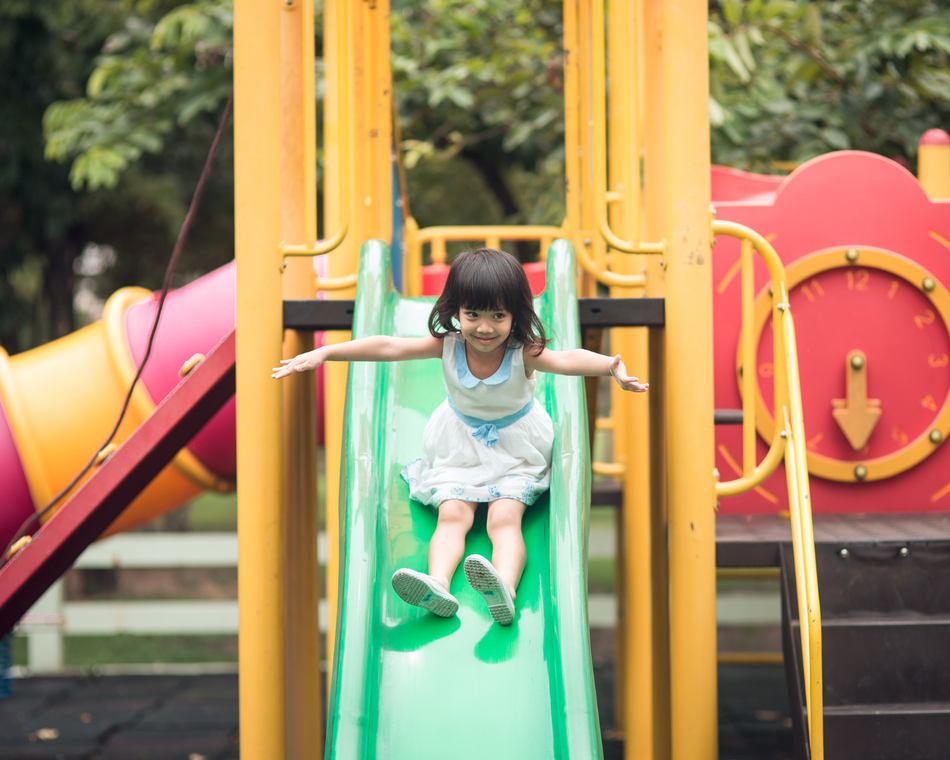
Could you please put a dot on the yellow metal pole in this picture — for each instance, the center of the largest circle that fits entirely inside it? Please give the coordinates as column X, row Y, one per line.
column 689, row 381
column 359, row 40
column 338, row 126
column 631, row 434
column 259, row 333
column 299, row 225
column 933, row 164
column 650, row 98
column 749, row 363
column 572, row 122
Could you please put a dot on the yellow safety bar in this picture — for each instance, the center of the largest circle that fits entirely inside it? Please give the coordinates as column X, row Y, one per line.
column 311, row 247
column 753, row 475
column 788, row 440
column 491, row 234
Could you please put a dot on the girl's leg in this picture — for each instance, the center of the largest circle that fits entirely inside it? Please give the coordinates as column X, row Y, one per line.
column 508, row 549
column 448, row 542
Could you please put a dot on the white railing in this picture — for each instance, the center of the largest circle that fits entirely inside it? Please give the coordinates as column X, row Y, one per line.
column 52, row 618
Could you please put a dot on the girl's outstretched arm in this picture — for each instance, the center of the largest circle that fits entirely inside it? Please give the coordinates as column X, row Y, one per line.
column 376, row 348
column 579, row 361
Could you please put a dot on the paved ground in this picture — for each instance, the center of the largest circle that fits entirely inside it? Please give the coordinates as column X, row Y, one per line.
column 121, row 718
column 196, row 717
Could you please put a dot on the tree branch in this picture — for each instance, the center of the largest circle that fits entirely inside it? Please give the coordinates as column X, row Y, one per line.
column 811, row 53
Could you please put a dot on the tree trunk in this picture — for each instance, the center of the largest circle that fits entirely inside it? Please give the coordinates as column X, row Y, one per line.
column 491, row 173
column 60, row 281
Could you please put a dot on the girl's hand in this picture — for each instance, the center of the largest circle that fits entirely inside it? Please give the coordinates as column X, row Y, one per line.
column 619, row 373
column 300, row 363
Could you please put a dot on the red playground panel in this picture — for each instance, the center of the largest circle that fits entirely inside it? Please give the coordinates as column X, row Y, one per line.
column 868, row 258
column 433, row 278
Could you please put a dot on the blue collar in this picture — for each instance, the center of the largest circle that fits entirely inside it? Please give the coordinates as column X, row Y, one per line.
column 468, row 380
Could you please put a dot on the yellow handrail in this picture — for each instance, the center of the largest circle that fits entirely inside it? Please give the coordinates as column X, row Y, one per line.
column 753, row 475
column 789, row 439
column 803, row 544
column 492, row 234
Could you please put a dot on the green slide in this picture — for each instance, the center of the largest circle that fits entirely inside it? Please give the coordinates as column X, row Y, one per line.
column 407, row 684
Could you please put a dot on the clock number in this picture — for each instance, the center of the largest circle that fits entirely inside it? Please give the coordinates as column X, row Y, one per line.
column 810, row 444
column 895, row 284
column 929, row 403
column 925, row 319
column 765, row 369
column 938, row 361
column 898, row 434
column 807, row 290
column 860, row 282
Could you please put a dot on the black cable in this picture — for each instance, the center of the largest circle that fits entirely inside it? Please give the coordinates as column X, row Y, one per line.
column 166, row 285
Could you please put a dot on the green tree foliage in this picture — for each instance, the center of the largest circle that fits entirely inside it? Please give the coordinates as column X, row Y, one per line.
column 46, row 53
column 49, row 52
column 131, row 91
column 476, row 82
column 482, row 81
column 792, row 79
column 150, row 79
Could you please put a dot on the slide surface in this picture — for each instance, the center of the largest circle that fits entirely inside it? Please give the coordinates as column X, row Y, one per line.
column 405, row 683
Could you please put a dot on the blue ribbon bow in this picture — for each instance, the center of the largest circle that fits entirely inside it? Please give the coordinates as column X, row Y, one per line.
column 487, row 433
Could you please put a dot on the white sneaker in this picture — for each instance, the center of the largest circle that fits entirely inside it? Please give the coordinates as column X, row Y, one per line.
column 421, row 590
column 484, row 578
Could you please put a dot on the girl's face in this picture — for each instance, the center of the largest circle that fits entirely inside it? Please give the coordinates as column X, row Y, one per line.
column 485, row 331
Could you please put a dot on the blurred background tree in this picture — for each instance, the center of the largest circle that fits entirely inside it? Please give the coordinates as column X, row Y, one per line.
column 792, row 79
column 63, row 248
column 109, row 107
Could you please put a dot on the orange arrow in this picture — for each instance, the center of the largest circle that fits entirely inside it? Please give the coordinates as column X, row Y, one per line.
column 857, row 415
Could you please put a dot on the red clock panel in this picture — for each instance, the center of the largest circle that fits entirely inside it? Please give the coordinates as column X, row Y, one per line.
column 868, row 261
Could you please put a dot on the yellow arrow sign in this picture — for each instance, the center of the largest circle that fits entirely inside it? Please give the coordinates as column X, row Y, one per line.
column 856, row 415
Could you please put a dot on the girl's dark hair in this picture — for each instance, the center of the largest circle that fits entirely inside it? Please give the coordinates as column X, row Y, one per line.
column 486, row 279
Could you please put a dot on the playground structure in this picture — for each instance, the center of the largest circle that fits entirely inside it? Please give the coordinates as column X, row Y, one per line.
column 644, row 239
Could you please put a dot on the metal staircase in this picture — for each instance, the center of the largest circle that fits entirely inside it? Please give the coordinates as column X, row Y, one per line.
column 886, row 645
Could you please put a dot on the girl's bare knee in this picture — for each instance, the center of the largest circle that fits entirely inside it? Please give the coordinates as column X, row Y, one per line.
column 504, row 514
column 457, row 513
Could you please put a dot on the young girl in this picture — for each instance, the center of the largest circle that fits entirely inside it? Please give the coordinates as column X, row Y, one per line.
column 488, row 442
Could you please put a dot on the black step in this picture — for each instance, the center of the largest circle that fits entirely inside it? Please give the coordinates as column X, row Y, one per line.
column 885, row 608
column 904, row 731
column 884, row 577
column 885, row 659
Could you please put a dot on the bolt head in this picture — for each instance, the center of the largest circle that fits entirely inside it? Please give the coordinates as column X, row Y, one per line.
column 860, row 472
column 851, row 255
column 783, row 434
column 904, row 552
column 935, row 436
column 928, row 284
column 844, row 554
column 857, row 361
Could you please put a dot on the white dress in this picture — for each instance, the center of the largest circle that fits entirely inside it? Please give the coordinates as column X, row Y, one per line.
column 488, row 440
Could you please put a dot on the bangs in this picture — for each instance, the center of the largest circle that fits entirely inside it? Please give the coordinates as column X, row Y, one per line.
column 487, row 280
column 482, row 293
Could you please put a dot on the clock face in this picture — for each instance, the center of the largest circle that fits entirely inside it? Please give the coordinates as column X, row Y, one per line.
column 874, row 358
